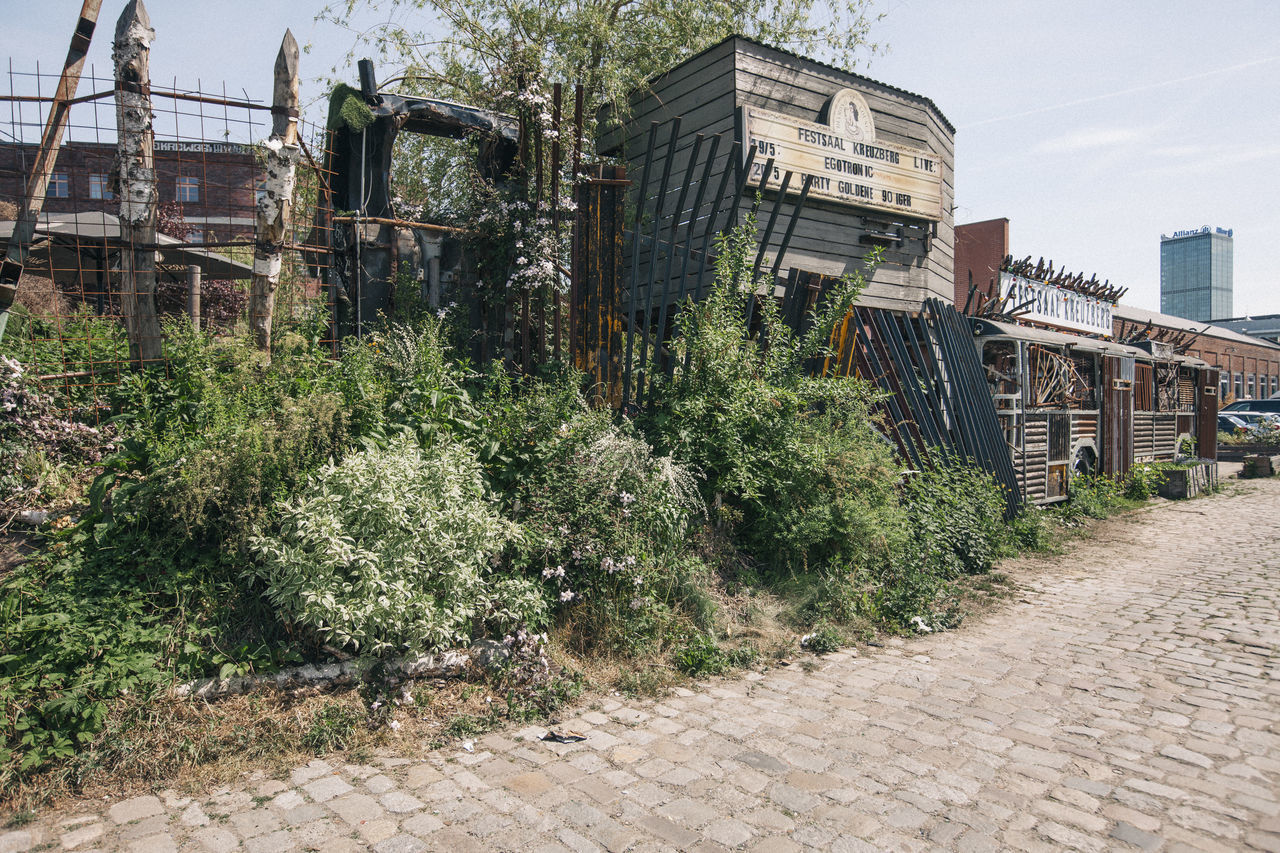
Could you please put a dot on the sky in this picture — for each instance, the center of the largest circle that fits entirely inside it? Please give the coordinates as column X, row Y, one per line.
column 1094, row 126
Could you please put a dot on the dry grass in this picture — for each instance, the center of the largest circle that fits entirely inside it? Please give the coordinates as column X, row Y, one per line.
column 192, row 746
column 41, row 297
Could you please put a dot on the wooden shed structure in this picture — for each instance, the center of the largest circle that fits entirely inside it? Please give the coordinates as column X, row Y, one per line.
column 879, row 160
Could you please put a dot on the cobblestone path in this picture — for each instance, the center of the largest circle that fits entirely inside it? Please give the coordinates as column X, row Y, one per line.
column 1129, row 698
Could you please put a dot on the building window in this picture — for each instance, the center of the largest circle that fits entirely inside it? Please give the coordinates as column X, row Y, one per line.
column 195, row 235
column 59, row 186
column 1250, row 386
column 260, row 192
column 98, row 187
column 1239, row 382
column 1224, row 388
column 1275, row 385
column 188, row 189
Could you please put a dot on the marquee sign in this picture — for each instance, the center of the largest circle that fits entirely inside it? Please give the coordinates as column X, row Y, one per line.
column 1057, row 306
column 848, row 165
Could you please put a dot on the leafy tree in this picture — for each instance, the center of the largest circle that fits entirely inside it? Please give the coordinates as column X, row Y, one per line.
column 474, row 50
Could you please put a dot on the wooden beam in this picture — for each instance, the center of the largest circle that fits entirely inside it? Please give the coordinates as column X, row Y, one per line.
column 136, row 175
column 275, row 201
column 51, row 140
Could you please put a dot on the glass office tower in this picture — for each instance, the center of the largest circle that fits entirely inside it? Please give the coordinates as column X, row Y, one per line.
column 1196, row 274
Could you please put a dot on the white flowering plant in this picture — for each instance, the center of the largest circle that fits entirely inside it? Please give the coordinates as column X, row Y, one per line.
column 394, row 549
column 605, row 520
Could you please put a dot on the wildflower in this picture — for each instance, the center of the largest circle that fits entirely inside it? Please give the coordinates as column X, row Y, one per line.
column 376, row 705
column 442, row 313
column 394, row 725
column 567, row 595
column 637, row 603
column 627, row 498
column 557, row 572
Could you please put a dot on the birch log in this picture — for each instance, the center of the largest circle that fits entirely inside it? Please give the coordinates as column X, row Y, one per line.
column 275, row 200
column 136, row 175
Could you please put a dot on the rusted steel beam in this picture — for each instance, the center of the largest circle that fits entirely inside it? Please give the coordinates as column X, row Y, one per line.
column 33, row 202
column 401, row 223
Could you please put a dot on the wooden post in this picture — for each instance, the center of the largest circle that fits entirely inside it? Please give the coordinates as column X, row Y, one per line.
column 136, row 174
column 193, row 294
column 275, row 202
column 25, row 226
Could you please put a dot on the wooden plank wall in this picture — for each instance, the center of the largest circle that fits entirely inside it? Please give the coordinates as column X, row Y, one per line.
column 706, row 93
column 827, row 238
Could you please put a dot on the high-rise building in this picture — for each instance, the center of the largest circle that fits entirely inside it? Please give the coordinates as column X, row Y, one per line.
column 1196, row 274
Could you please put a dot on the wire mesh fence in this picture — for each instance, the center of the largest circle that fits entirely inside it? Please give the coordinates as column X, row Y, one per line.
column 67, row 325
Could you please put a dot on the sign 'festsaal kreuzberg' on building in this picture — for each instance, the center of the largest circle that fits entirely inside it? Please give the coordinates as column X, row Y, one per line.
column 848, row 165
column 1056, row 306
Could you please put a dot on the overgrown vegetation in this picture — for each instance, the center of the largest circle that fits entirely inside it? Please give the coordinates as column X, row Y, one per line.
column 249, row 514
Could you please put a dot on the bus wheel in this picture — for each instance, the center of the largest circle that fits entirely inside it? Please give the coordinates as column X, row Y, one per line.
column 1084, row 463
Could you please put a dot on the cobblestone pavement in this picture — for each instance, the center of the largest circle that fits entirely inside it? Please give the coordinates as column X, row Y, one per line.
column 1129, row 698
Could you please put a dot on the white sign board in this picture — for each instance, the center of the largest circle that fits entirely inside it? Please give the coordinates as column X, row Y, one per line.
column 846, row 162
column 1056, row 306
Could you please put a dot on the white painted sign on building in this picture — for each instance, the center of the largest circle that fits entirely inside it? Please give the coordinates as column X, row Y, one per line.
column 1056, row 306
column 846, row 161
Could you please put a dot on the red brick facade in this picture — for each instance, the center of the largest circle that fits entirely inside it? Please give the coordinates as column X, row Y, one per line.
column 222, row 177
column 980, row 247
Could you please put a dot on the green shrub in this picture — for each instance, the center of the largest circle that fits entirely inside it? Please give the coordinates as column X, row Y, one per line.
column 1143, row 482
column 956, row 516
column 824, row 640
column 1030, row 530
column 79, row 342
column 45, row 453
column 392, row 549
column 793, row 466
column 606, row 520
column 701, row 655
column 1093, row 496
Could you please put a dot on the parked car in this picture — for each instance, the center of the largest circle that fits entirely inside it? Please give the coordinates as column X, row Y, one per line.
column 1269, row 406
column 1230, row 423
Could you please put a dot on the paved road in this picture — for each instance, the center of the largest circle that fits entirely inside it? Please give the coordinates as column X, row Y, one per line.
column 1129, row 699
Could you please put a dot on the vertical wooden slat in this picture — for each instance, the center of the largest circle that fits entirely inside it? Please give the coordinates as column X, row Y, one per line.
column 633, row 282
column 556, row 94
column 659, row 207
column 660, row 334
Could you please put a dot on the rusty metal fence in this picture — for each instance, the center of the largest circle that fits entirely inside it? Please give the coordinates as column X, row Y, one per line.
column 67, row 326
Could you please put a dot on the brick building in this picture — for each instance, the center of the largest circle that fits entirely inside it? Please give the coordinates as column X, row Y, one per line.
column 213, row 182
column 1249, row 367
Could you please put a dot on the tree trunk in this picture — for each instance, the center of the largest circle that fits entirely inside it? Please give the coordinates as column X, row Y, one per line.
column 136, row 174
column 275, row 200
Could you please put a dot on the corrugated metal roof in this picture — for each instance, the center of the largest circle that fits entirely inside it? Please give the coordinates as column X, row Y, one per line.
column 1145, row 315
